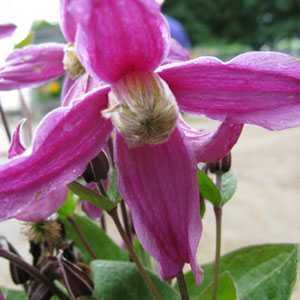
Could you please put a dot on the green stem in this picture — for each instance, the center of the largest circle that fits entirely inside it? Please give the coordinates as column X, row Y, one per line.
column 218, row 216
column 82, row 238
column 182, row 286
column 152, row 287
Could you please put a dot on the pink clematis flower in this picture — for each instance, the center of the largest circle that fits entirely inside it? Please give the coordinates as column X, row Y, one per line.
column 37, row 64
column 6, row 30
column 156, row 153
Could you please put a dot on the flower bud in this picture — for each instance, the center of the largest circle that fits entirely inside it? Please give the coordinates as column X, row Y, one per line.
column 221, row 166
column 76, row 280
column 100, row 168
column 142, row 108
column 72, row 64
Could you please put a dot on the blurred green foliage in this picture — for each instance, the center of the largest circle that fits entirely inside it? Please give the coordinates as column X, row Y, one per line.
column 250, row 22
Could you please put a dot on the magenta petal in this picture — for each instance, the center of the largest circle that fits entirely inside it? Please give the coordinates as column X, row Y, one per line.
column 67, row 22
column 176, row 53
column 67, row 84
column 159, row 186
column 261, row 88
column 44, row 207
column 16, row 145
column 117, row 37
column 7, row 30
column 210, row 146
column 81, row 86
column 32, row 65
column 66, row 140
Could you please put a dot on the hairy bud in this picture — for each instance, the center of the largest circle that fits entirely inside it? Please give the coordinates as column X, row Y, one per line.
column 72, row 64
column 142, row 108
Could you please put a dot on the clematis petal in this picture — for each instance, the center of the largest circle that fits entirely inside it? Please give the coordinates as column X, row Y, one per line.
column 209, row 146
column 117, row 37
column 159, row 186
column 261, row 88
column 31, row 66
column 16, row 145
column 67, row 84
column 46, row 206
column 7, row 30
column 67, row 21
column 176, row 53
column 49, row 202
column 66, row 140
column 81, row 86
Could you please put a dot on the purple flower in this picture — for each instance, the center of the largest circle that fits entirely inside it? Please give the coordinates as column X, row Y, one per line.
column 6, row 30
column 36, row 64
column 156, row 153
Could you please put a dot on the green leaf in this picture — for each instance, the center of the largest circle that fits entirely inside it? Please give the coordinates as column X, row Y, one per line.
column 13, row 294
column 69, row 206
column 26, row 41
column 202, row 207
column 228, row 187
column 265, row 272
column 226, row 291
column 121, row 280
column 100, row 243
column 84, row 193
column 208, row 189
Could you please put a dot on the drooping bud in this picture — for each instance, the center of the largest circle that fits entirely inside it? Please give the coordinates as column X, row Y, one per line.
column 72, row 64
column 142, row 108
column 221, row 166
column 76, row 280
column 98, row 168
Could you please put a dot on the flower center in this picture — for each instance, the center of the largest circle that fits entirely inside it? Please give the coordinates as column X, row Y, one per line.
column 142, row 108
column 72, row 64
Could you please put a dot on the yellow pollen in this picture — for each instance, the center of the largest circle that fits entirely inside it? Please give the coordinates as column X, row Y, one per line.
column 142, row 108
column 72, row 65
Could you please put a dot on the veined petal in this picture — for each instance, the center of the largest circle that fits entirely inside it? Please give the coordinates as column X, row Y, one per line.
column 44, row 207
column 16, row 145
column 81, row 86
column 176, row 53
column 31, row 66
column 49, row 202
column 66, row 140
column 159, row 186
column 67, row 21
column 210, row 146
column 7, row 30
column 117, row 37
column 261, row 88
column 67, row 84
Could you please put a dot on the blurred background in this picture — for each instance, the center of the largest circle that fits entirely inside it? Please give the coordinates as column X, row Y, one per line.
column 266, row 206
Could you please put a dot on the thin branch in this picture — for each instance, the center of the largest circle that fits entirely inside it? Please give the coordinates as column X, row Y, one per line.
column 182, row 286
column 152, row 287
column 82, row 238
